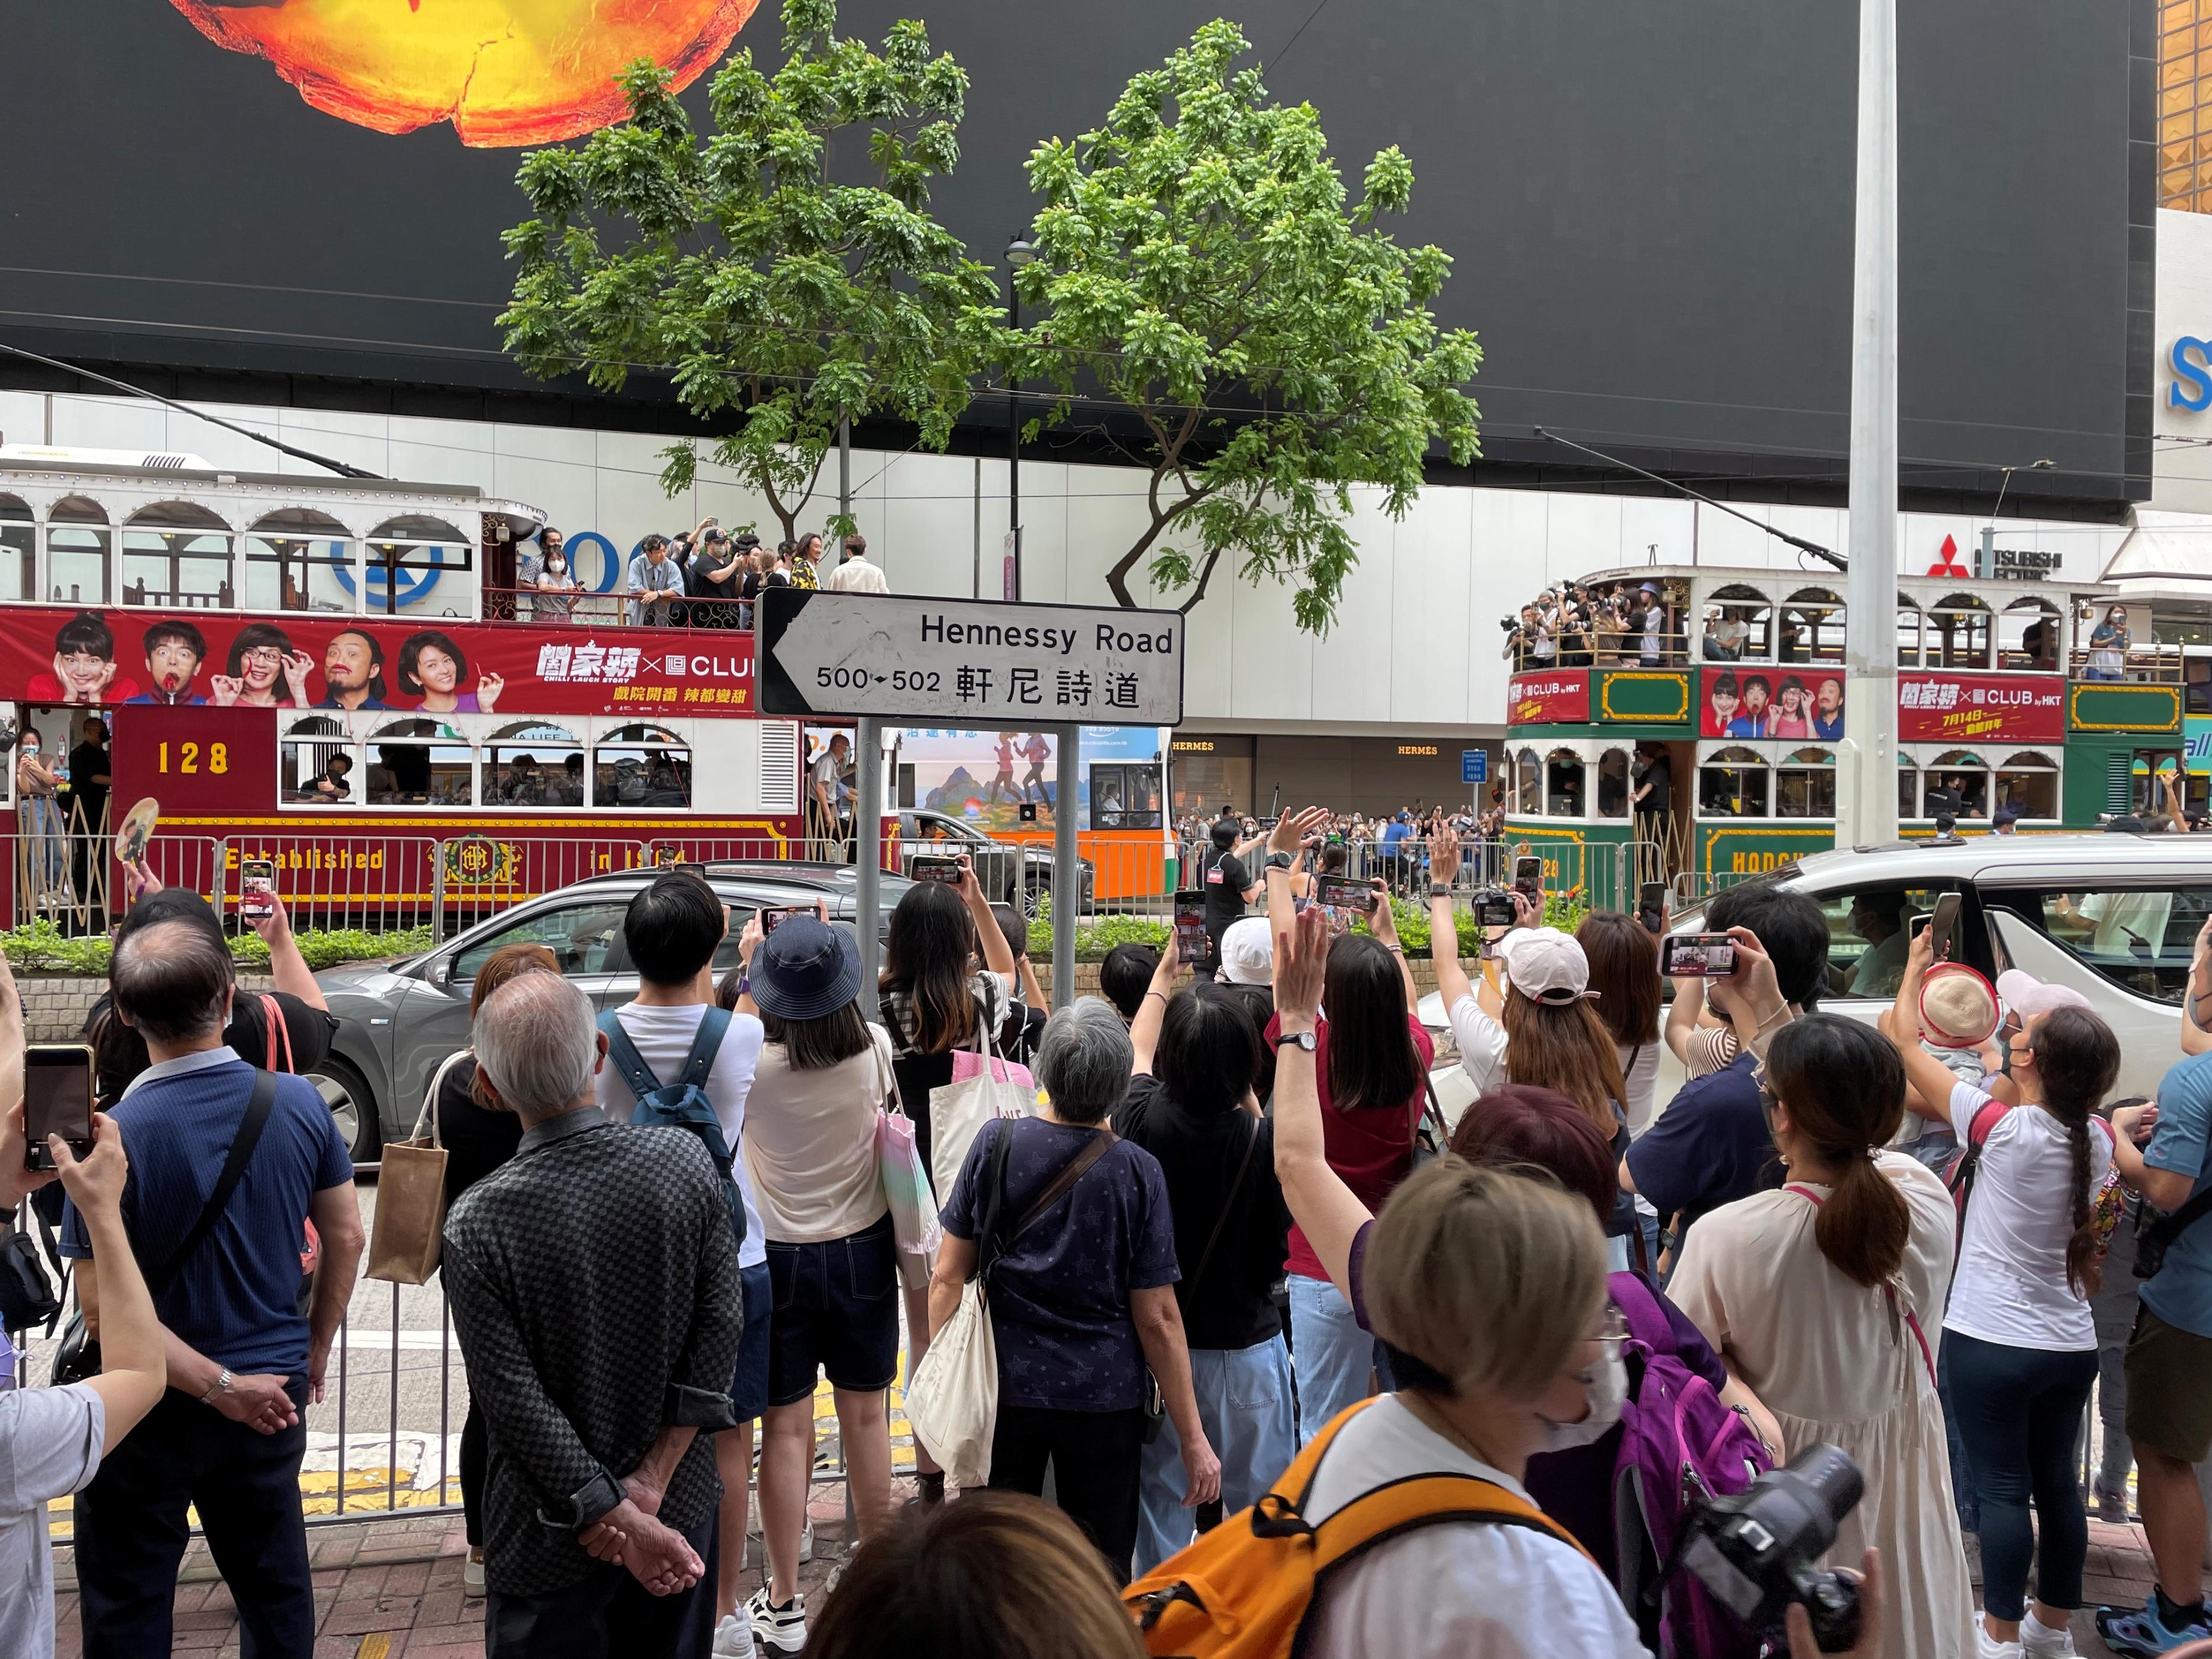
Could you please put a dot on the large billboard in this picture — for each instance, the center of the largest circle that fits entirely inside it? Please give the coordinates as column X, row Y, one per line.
column 1649, row 207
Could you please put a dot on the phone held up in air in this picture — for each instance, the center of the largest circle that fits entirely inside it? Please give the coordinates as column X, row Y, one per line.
column 774, row 916
column 1343, row 893
column 257, row 889
column 56, row 1101
column 1941, row 921
column 1190, row 926
column 936, row 866
column 1528, row 874
column 1697, row 956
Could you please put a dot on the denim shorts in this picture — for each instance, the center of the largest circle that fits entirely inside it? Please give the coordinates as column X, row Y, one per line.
column 837, row 1313
column 749, row 1387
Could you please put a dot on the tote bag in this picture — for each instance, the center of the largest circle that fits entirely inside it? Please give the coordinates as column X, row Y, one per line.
column 952, row 1398
column 907, row 1190
column 984, row 1085
column 410, row 1196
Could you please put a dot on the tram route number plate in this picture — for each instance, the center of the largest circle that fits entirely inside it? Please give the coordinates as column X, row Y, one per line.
column 967, row 663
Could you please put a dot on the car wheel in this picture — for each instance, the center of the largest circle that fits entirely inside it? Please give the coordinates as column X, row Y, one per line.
column 353, row 1108
column 1032, row 896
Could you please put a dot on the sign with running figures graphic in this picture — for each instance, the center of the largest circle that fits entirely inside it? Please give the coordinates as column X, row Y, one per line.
column 967, row 662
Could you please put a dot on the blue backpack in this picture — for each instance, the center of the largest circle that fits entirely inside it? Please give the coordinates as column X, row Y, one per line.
column 681, row 1104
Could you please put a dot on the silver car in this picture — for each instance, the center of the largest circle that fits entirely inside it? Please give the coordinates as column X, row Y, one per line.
column 398, row 1019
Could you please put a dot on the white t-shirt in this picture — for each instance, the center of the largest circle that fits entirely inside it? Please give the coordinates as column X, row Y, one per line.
column 1481, row 1042
column 2127, row 920
column 811, row 1143
column 663, row 1036
column 1639, row 1070
column 50, row 1441
column 2010, row 1287
column 1466, row 1589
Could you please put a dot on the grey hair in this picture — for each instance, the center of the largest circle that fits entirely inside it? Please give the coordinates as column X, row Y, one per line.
column 1084, row 1060
column 172, row 980
column 536, row 1042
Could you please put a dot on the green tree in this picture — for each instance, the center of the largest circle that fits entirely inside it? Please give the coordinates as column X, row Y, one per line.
column 777, row 298
column 1199, row 270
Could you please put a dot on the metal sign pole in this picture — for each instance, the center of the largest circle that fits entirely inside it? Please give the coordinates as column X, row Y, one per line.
column 1066, row 874
column 868, row 821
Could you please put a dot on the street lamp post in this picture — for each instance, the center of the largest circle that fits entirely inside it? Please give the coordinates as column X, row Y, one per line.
column 1018, row 253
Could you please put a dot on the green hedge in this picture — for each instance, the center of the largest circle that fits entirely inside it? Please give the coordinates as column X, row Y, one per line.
column 39, row 947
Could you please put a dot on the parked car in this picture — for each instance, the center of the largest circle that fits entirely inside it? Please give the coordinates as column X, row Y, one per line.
column 1018, row 873
column 398, row 1020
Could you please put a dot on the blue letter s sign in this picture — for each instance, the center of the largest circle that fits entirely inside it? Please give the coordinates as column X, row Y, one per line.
column 2192, row 382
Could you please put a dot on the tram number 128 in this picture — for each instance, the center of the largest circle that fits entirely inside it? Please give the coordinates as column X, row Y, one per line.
column 188, row 757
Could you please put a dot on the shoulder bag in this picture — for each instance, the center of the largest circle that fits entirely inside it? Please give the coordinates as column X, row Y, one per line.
column 26, row 1295
column 985, row 1084
column 952, row 1398
column 78, row 1357
column 410, row 1195
column 907, row 1189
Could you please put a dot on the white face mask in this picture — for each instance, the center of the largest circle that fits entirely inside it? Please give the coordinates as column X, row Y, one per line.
column 1606, row 1384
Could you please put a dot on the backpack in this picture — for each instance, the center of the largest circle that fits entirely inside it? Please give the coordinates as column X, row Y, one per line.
column 681, row 1104
column 1246, row 1590
column 2106, row 1204
column 1678, row 1445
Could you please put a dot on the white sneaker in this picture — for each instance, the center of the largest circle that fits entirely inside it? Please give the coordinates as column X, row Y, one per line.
column 733, row 1638
column 782, row 1630
column 2039, row 1641
column 472, row 1577
column 1986, row 1646
column 756, row 1555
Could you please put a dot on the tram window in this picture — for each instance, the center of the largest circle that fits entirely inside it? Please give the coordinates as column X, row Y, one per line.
column 422, row 566
column 1805, row 784
column 584, row 938
column 2030, row 783
column 1908, row 634
column 1733, row 785
column 2028, row 635
column 420, row 762
column 1612, row 784
column 1908, row 793
column 1125, row 797
column 1958, row 783
column 641, row 766
column 19, row 543
column 1812, row 628
column 179, row 568
column 1737, row 620
column 1958, row 633
column 298, row 573
column 1527, row 782
column 76, row 564
column 318, row 767
column 534, row 765
column 1566, row 794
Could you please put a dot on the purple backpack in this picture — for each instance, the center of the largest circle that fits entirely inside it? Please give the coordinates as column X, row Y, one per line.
column 1679, row 1445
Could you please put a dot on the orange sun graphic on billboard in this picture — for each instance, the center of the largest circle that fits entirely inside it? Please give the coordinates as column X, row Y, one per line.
column 504, row 72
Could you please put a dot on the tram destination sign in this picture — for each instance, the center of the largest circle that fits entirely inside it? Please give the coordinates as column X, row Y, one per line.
column 967, row 662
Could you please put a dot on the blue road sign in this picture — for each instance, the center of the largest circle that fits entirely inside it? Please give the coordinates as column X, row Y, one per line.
column 1475, row 766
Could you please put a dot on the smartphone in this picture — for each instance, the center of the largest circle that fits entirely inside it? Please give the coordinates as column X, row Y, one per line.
column 257, row 889
column 1944, row 918
column 56, row 1101
column 1343, row 893
column 667, row 858
column 1697, row 956
column 935, row 867
column 1528, row 874
column 1651, row 897
column 774, row 916
column 1190, row 926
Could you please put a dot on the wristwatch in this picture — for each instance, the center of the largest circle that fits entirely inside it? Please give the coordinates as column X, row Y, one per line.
column 1440, row 889
column 1305, row 1040
column 1280, row 860
column 220, row 1385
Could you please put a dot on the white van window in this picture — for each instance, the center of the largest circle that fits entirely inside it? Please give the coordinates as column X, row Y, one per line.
column 2140, row 938
column 1869, row 931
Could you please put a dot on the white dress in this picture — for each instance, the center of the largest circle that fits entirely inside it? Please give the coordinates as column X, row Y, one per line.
column 1835, row 1361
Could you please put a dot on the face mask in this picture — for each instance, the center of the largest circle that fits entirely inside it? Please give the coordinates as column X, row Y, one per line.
column 1607, row 1383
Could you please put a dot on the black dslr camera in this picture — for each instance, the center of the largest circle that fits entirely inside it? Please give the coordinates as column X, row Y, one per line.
column 1754, row 1551
column 1494, row 908
column 1508, row 623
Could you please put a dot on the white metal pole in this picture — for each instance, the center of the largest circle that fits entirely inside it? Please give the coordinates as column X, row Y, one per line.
column 1867, row 774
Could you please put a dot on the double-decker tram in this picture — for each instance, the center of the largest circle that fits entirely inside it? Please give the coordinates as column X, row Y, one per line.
column 1707, row 751
column 357, row 681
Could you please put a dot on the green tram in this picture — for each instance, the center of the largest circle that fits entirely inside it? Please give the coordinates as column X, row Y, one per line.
column 2025, row 694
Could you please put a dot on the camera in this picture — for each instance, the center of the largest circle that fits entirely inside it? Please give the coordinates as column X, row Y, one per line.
column 1753, row 1553
column 1508, row 623
column 1494, row 908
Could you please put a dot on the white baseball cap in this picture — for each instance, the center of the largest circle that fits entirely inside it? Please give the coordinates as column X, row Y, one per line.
column 1546, row 965
column 1248, row 952
column 2027, row 996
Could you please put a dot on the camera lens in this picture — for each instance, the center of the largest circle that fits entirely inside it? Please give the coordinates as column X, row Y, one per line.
column 1825, row 1481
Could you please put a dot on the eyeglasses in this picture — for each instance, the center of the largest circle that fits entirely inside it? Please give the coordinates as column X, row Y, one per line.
column 1613, row 1330
column 267, row 655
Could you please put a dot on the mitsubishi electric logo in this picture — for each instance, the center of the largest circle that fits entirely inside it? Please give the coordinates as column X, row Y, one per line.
column 1947, row 560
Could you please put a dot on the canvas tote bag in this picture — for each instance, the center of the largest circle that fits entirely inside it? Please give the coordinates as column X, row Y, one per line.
column 985, row 1084
column 410, row 1196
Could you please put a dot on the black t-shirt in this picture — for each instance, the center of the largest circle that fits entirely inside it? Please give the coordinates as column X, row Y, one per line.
column 1225, row 882
column 1233, row 1305
column 310, row 1030
column 1660, row 774
column 85, row 760
column 477, row 1140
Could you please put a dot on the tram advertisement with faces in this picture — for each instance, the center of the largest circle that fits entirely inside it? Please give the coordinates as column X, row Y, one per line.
column 311, row 660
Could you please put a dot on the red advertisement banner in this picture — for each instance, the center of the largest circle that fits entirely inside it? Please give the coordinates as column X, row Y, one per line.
column 1797, row 704
column 311, row 659
column 1557, row 696
column 1980, row 708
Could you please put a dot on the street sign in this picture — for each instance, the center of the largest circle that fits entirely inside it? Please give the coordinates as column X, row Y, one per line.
column 966, row 662
column 1475, row 766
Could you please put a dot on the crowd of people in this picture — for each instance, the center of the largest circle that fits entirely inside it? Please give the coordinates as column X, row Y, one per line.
column 703, row 577
column 1578, row 625
column 1234, row 1257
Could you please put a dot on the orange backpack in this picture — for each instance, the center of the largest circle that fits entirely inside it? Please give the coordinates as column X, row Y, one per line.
column 1245, row 1589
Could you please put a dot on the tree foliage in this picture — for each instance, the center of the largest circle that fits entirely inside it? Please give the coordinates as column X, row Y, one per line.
column 776, row 297
column 1200, row 268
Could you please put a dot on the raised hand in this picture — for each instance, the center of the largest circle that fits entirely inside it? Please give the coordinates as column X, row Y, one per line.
column 223, row 690
column 1301, row 963
column 1293, row 827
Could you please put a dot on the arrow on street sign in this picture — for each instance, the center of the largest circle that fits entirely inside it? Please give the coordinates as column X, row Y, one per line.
column 966, row 662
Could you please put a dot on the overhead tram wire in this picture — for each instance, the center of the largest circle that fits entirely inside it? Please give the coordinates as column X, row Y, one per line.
column 1797, row 541
column 344, row 469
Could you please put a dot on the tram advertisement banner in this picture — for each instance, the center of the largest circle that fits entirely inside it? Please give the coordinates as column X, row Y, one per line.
column 1761, row 701
column 1980, row 708
column 309, row 659
column 1559, row 697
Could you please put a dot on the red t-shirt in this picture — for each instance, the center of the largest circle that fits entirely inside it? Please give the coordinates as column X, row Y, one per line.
column 1372, row 1149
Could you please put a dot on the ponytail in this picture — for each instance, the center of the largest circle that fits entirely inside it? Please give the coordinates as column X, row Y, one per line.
column 1843, row 1085
column 2077, row 1059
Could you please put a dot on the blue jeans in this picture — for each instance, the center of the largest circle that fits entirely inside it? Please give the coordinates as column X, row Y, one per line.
column 1333, row 1355
column 1244, row 1401
column 2018, row 1409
